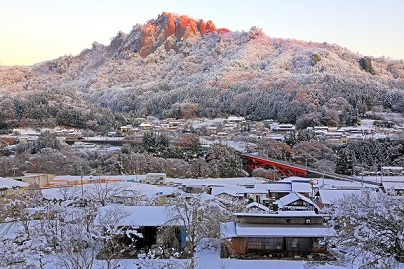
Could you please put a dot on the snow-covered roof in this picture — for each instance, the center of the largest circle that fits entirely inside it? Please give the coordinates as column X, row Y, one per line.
column 379, row 179
column 136, row 215
column 257, row 205
column 215, row 181
column 233, row 190
column 296, row 179
column 234, row 118
column 397, row 168
column 302, row 187
column 236, row 190
column 292, row 197
column 329, row 196
column 103, row 177
column 391, row 185
column 122, row 189
column 341, row 184
column 232, row 229
column 258, row 188
column 11, row 183
column 281, row 214
column 279, row 187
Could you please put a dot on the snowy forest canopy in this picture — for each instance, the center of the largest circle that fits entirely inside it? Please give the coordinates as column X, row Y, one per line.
column 211, row 75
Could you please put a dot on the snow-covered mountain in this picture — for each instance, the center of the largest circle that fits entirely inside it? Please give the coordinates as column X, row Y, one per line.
column 174, row 62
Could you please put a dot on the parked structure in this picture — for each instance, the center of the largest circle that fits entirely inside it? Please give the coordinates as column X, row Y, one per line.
column 36, row 179
column 155, row 179
column 9, row 186
column 146, row 224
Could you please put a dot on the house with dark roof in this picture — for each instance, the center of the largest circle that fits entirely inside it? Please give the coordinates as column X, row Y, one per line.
column 294, row 234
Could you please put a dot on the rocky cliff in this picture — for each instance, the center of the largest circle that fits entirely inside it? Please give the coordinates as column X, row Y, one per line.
column 167, row 30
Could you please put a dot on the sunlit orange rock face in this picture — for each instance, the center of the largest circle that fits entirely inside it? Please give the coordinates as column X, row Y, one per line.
column 167, row 29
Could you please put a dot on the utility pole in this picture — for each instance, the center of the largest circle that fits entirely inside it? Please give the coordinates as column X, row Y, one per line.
column 14, row 168
column 381, row 174
column 82, row 187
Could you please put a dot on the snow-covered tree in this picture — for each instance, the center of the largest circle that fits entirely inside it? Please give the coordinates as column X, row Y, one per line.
column 115, row 238
column 369, row 230
column 199, row 216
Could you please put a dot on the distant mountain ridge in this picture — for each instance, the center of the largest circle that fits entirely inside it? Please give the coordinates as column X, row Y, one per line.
column 165, row 65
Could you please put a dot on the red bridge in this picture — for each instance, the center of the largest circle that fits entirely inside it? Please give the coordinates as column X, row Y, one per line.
column 286, row 169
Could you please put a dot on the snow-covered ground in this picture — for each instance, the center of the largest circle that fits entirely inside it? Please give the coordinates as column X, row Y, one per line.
column 210, row 259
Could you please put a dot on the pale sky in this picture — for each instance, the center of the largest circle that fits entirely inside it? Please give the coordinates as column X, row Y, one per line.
column 33, row 31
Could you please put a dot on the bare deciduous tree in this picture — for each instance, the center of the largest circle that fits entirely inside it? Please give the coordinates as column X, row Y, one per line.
column 199, row 218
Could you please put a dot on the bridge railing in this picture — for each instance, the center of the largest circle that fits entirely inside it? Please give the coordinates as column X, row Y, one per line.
column 309, row 169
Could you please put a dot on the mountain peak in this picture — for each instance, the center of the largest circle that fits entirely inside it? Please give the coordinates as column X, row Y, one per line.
column 178, row 24
column 166, row 30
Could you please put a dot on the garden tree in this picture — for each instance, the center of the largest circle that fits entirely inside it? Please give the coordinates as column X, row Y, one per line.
column 48, row 160
column 199, row 168
column 369, row 230
column 305, row 135
column 123, row 162
column 274, row 149
column 155, row 143
column 20, row 247
column 45, row 140
column 325, row 166
column 224, row 161
column 200, row 216
column 15, row 254
column 102, row 193
column 346, row 161
column 187, row 146
column 4, row 150
column 310, row 152
column 113, row 164
column 265, row 173
column 138, row 161
column 10, row 165
column 115, row 238
column 295, row 137
column 172, row 167
column 3, row 124
column 177, row 168
column 76, row 246
column 380, row 152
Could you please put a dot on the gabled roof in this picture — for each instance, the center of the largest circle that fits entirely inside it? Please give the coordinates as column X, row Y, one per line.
column 257, row 205
column 293, row 197
column 236, row 191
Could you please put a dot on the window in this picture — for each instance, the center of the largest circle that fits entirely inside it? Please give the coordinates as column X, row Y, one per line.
column 270, row 243
column 3, row 192
column 298, row 244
